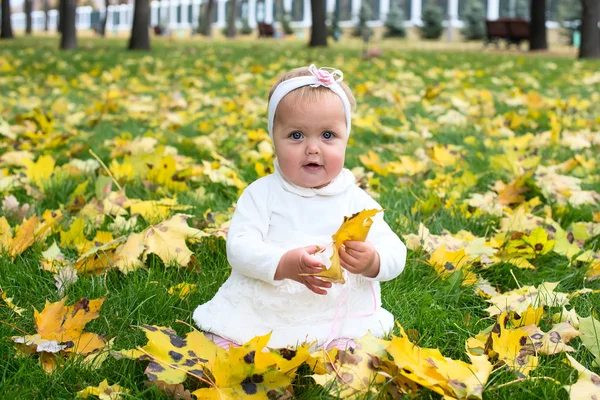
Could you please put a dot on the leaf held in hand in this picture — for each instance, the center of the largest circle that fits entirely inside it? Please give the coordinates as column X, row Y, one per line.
column 355, row 228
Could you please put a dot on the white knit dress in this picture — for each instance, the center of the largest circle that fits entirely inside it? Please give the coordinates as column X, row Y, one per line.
column 273, row 216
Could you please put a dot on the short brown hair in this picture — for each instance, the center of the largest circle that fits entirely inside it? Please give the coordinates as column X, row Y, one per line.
column 308, row 92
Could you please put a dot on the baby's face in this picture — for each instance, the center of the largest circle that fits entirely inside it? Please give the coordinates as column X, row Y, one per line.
column 310, row 140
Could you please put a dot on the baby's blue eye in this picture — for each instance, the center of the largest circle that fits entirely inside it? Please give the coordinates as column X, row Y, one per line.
column 327, row 135
column 296, row 135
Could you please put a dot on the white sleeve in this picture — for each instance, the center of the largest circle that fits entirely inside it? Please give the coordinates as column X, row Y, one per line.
column 392, row 251
column 247, row 251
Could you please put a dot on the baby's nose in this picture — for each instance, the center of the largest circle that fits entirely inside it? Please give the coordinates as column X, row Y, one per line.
column 312, row 150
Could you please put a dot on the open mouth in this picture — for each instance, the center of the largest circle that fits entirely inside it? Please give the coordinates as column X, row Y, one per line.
column 312, row 166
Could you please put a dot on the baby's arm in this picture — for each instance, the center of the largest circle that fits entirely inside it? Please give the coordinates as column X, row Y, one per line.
column 390, row 249
column 247, row 251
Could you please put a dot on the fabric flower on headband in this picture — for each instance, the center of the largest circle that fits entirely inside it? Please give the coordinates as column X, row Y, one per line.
column 326, row 77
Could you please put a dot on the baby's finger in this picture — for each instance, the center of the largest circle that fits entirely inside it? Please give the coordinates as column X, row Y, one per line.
column 352, row 252
column 312, row 262
column 344, row 256
column 315, row 289
column 313, row 280
column 355, row 245
column 312, row 249
column 312, row 271
column 348, row 267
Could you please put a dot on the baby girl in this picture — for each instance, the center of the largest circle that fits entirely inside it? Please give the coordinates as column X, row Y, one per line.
column 283, row 219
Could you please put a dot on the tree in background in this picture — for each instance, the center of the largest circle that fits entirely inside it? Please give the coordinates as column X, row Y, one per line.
column 590, row 34
column 102, row 30
column 231, row 29
column 28, row 22
column 204, row 20
column 537, row 29
column 474, row 20
column 68, row 38
column 364, row 15
column 46, row 7
column 394, row 21
column 6, row 28
column 432, row 17
column 140, row 38
column 318, row 30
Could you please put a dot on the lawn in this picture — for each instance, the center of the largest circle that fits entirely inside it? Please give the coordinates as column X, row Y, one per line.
column 461, row 144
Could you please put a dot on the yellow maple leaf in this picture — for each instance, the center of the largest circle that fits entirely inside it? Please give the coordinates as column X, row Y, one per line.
column 98, row 259
column 173, row 357
column 154, row 211
column 248, row 372
column 5, row 235
column 520, row 299
column 512, row 193
column 372, row 161
column 406, row 166
column 587, row 385
column 514, row 347
column 60, row 329
column 9, row 303
column 164, row 173
column 127, row 257
column 355, row 228
column 75, row 236
column 48, row 224
column 429, row 368
column 123, row 172
column 357, row 368
column 183, row 290
column 531, row 316
column 38, row 172
column 101, row 238
column 103, row 391
column 554, row 341
column 447, row 262
column 167, row 240
column 593, row 271
column 446, row 155
column 23, row 239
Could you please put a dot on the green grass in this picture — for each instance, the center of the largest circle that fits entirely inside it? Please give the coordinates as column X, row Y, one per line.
column 443, row 313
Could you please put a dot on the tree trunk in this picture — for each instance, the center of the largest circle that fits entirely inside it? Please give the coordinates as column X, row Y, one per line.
column 6, row 29
column 318, row 31
column 59, row 16
column 102, row 30
column 28, row 11
column 537, row 27
column 207, row 21
column 590, row 34
column 68, row 40
column 140, row 38
column 231, row 31
column 46, row 9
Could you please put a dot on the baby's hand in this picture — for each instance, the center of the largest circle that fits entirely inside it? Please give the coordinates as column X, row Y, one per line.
column 360, row 258
column 298, row 261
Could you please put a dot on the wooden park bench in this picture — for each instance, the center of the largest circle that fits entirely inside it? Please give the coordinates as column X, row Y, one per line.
column 513, row 30
column 265, row 30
